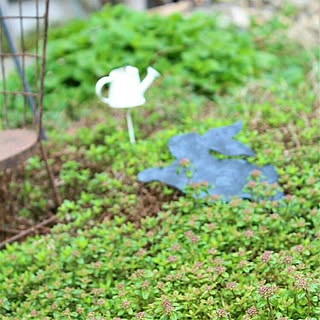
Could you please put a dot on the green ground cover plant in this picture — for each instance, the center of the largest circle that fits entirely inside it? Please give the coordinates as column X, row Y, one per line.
column 197, row 53
column 124, row 250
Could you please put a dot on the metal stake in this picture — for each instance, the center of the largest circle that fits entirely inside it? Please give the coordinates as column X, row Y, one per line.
column 130, row 127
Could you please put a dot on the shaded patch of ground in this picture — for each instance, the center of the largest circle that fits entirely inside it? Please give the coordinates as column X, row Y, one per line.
column 15, row 193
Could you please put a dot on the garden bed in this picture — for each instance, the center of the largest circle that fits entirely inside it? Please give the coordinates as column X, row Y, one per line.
column 126, row 250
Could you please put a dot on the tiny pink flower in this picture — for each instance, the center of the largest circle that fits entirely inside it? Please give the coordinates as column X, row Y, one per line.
column 188, row 233
column 267, row 291
column 211, row 226
column 242, row 263
column 169, row 277
column 96, row 291
column 251, row 184
column 194, row 239
column 235, row 202
column 231, row 285
column 218, row 261
column 221, row 313
column 97, row 264
column 184, row 162
column 125, row 304
column 196, row 185
column 140, row 315
column 215, row 197
column 249, row 233
column 79, row 310
column 287, row 259
column 161, row 285
column 198, row 265
column 120, row 286
column 175, row 247
column 141, row 252
column 291, row 269
column 150, row 234
column 256, row 173
column 219, row 269
column 145, row 284
column 313, row 212
column 166, row 304
column 301, row 283
column 34, row 313
column 212, row 251
column 204, row 183
column 252, row 311
column 172, row 259
column 299, row 248
column 266, row 256
column 274, row 216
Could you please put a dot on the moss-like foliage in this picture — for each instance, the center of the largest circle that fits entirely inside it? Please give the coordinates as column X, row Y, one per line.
column 192, row 52
column 123, row 250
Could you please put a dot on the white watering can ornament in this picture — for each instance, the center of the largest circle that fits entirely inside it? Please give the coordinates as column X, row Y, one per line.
column 126, row 90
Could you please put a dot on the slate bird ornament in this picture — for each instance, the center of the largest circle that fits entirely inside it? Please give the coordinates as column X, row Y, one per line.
column 225, row 177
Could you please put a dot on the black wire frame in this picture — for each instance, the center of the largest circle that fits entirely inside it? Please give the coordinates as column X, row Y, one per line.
column 14, row 46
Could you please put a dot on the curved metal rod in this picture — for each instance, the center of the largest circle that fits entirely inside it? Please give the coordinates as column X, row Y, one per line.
column 24, row 233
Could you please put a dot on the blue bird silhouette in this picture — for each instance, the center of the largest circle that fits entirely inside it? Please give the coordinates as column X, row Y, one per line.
column 225, row 177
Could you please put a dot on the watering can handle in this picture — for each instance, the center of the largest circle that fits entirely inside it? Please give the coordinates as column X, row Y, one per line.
column 99, row 85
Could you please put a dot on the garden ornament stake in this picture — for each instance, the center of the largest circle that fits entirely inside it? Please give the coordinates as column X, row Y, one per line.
column 126, row 91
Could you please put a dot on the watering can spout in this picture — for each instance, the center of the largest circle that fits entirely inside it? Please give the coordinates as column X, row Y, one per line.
column 152, row 74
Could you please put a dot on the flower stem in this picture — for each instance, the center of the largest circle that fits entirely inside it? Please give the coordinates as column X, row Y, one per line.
column 270, row 309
